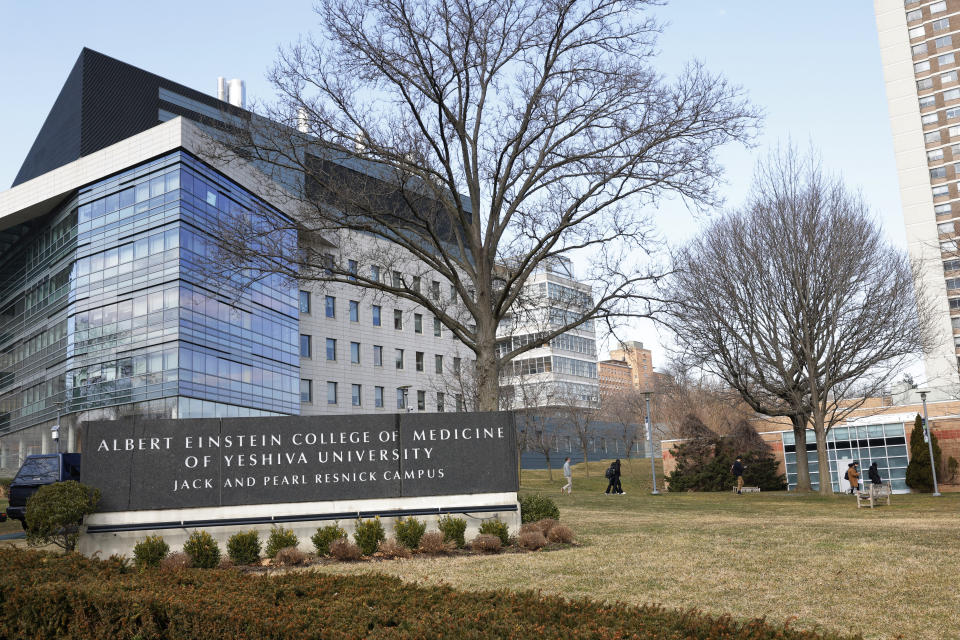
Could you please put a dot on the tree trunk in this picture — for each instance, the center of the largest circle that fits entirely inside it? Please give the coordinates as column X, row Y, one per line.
column 546, row 455
column 823, row 462
column 586, row 467
column 487, row 371
column 803, row 469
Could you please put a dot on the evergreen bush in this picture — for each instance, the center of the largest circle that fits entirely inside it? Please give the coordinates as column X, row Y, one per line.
column 368, row 535
column 703, row 462
column 150, row 552
column 55, row 513
column 280, row 538
column 537, row 507
column 453, row 530
column 244, row 547
column 326, row 535
column 919, row 476
column 409, row 531
column 499, row 529
column 202, row 549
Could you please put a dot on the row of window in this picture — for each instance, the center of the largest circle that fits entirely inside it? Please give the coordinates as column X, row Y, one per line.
column 306, row 351
column 376, row 314
column 397, row 279
column 565, row 341
column 942, row 61
column 936, row 7
column 356, row 396
column 938, row 43
column 547, row 364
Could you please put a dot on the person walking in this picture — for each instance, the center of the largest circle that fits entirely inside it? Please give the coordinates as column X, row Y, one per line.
column 874, row 474
column 568, row 474
column 613, row 475
column 854, row 477
column 737, row 470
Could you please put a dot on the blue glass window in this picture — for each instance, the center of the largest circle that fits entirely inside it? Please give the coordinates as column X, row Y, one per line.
column 306, row 390
column 305, row 345
column 331, row 349
column 376, row 315
column 354, row 311
column 377, row 355
column 304, row 302
column 355, row 352
column 378, row 396
column 331, row 393
column 330, row 303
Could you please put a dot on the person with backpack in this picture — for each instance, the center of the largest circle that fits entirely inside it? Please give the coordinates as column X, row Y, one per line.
column 613, row 475
column 853, row 475
column 737, row 470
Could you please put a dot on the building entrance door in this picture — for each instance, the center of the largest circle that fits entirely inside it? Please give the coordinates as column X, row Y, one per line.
column 842, row 474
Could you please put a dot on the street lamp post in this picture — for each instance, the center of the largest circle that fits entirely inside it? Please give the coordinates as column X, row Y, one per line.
column 653, row 468
column 929, row 439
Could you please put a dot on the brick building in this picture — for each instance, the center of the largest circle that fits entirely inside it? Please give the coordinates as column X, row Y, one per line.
column 879, row 431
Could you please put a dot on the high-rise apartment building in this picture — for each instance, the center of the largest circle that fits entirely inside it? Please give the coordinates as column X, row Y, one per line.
column 920, row 48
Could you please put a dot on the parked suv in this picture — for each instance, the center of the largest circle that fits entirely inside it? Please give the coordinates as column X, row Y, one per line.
column 36, row 472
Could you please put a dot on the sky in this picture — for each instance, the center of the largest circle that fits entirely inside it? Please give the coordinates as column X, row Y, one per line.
column 813, row 68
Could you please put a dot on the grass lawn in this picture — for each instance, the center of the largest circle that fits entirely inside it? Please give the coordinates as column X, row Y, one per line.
column 10, row 526
column 817, row 562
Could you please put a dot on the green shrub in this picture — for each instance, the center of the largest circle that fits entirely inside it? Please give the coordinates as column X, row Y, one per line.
column 55, row 513
column 368, row 534
column 280, row 538
column 409, row 531
column 150, row 552
column 704, row 459
column 202, row 549
column 497, row 528
column 244, row 547
column 453, row 530
column 919, row 477
column 70, row 596
column 325, row 535
column 537, row 507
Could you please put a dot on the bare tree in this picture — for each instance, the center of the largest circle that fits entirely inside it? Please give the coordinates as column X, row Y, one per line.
column 798, row 302
column 682, row 391
column 569, row 410
column 475, row 142
column 625, row 408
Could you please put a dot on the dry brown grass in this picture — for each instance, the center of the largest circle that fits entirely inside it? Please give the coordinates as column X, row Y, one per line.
column 815, row 561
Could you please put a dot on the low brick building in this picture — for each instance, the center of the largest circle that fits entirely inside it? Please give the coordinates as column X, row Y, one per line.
column 879, row 431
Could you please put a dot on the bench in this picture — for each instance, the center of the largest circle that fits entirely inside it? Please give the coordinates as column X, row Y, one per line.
column 747, row 489
column 874, row 492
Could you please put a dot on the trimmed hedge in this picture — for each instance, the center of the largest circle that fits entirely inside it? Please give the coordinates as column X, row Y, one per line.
column 46, row 596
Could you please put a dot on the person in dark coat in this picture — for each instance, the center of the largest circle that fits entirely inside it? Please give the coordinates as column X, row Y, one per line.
column 874, row 474
column 737, row 471
column 614, row 476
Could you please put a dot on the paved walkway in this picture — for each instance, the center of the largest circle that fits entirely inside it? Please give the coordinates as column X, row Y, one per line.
column 19, row 535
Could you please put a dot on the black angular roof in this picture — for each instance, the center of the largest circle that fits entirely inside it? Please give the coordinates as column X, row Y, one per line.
column 103, row 102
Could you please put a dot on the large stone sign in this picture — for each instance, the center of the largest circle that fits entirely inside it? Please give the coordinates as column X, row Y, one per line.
column 142, row 464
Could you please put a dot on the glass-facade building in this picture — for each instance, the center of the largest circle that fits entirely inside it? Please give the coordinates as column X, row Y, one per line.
column 107, row 309
column 885, row 444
